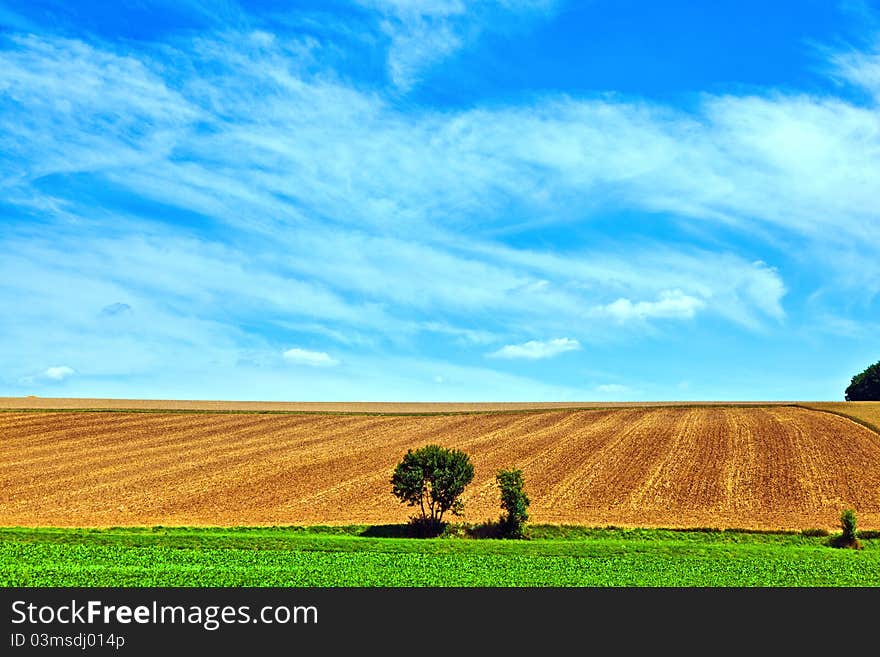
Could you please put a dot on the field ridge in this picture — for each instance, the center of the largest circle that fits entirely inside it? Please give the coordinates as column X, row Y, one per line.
column 61, row 404
column 866, row 414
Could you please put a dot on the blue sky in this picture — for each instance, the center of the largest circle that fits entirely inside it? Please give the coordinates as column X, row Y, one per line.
column 439, row 200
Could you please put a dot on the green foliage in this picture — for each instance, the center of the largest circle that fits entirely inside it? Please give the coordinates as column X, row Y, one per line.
column 514, row 502
column 298, row 557
column 865, row 386
column 848, row 524
column 432, row 478
column 848, row 538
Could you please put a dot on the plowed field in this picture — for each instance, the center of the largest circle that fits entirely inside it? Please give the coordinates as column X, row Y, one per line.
column 769, row 467
column 867, row 412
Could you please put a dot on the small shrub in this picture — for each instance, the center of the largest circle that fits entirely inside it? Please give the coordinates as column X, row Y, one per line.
column 514, row 502
column 848, row 539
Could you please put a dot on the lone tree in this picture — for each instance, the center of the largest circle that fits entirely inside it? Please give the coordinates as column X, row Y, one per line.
column 514, row 501
column 866, row 385
column 432, row 478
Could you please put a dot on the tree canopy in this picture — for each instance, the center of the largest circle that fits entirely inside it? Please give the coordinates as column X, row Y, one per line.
column 865, row 386
column 433, row 478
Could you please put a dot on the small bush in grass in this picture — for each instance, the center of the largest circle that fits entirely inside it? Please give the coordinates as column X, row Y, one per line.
column 514, row 501
column 848, row 538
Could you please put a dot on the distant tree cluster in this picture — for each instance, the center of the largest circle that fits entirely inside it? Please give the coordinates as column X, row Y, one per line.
column 865, row 386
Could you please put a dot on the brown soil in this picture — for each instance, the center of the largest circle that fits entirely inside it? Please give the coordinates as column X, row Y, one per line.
column 763, row 467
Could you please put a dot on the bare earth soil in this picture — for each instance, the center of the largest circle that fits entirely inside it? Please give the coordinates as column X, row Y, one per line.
column 763, row 467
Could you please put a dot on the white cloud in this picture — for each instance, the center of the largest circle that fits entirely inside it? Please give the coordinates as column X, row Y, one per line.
column 536, row 349
column 671, row 304
column 59, row 373
column 311, row 358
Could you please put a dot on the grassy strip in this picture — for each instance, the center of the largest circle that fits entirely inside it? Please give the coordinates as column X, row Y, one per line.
column 350, row 556
column 280, row 537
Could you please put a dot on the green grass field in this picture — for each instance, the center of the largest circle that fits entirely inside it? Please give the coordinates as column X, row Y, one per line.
column 324, row 556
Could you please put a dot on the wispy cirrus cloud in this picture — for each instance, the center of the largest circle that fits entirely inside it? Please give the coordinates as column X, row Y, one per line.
column 235, row 188
column 860, row 68
column 83, row 108
column 647, row 158
column 422, row 34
